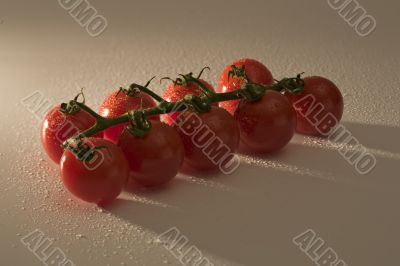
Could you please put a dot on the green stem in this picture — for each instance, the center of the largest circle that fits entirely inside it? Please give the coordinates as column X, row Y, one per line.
column 249, row 91
column 90, row 111
column 144, row 89
column 206, row 90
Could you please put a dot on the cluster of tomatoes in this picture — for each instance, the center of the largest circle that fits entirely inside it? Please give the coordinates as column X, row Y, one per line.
column 262, row 126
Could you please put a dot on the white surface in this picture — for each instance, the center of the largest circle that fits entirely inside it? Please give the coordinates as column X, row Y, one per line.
column 248, row 218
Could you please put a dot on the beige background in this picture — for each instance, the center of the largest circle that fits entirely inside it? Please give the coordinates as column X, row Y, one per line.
column 248, row 218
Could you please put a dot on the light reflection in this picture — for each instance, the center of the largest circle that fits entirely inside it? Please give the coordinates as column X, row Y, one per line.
column 298, row 170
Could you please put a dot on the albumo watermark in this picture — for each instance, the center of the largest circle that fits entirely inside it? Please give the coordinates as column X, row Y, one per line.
column 316, row 249
column 178, row 245
column 43, row 248
column 39, row 106
column 328, row 126
column 86, row 15
column 204, row 138
column 355, row 15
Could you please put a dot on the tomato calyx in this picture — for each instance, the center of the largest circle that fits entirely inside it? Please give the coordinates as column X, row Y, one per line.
column 135, row 88
column 238, row 72
column 295, row 85
column 180, row 81
column 127, row 91
column 251, row 91
column 72, row 107
column 186, row 79
column 82, row 150
column 197, row 104
column 140, row 125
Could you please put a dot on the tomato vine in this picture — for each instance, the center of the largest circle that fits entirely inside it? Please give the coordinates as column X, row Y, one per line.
column 140, row 125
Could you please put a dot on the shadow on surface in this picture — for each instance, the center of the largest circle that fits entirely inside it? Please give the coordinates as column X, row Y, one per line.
column 255, row 212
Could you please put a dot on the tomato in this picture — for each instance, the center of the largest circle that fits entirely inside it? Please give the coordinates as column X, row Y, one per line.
column 175, row 93
column 98, row 180
column 118, row 103
column 57, row 127
column 208, row 138
column 155, row 158
column 319, row 107
column 266, row 125
column 256, row 72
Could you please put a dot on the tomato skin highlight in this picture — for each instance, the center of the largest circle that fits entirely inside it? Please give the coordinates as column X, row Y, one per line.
column 175, row 93
column 154, row 159
column 117, row 103
column 324, row 92
column 218, row 123
column 99, row 181
column 266, row 125
column 257, row 73
column 57, row 127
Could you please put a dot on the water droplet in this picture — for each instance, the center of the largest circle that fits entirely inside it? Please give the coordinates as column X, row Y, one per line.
column 79, row 236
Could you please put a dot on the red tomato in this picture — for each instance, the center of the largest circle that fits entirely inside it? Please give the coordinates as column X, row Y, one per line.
column 319, row 107
column 99, row 180
column 256, row 72
column 155, row 158
column 175, row 93
column 266, row 125
column 208, row 138
column 117, row 104
column 57, row 127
